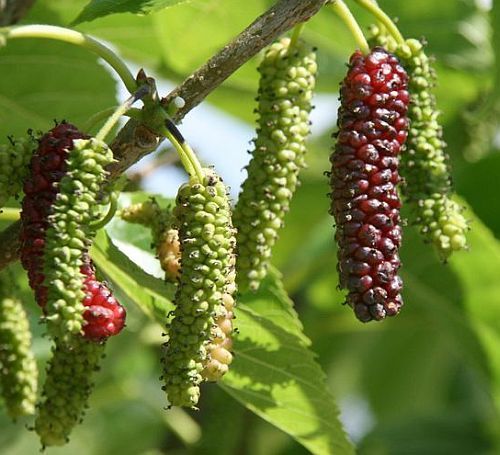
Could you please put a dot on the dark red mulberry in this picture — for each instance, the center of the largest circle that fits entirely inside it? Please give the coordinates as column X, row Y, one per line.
column 372, row 127
column 61, row 197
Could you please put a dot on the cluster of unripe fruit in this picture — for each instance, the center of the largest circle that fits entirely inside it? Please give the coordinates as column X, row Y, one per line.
column 207, row 248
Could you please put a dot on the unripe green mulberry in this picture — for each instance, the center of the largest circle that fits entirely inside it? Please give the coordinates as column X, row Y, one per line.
column 67, row 239
column 18, row 369
column 219, row 349
column 424, row 165
column 285, row 92
column 165, row 238
column 14, row 166
column 67, row 388
column 207, row 242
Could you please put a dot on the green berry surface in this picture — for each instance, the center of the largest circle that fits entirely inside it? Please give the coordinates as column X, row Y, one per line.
column 287, row 79
column 14, row 166
column 18, row 369
column 67, row 387
column 207, row 245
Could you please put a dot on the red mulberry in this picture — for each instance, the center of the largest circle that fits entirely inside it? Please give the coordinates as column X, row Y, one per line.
column 365, row 204
column 61, row 199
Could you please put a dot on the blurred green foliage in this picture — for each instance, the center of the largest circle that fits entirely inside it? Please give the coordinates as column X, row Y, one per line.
column 426, row 382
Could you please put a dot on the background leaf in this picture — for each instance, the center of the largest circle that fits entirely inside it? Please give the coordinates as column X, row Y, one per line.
column 100, row 8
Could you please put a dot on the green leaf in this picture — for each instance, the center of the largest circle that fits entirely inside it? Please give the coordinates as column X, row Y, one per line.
column 42, row 80
column 479, row 277
column 150, row 294
column 100, row 8
column 274, row 374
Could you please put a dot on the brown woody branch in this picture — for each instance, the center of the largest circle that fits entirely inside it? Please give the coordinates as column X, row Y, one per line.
column 134, row 140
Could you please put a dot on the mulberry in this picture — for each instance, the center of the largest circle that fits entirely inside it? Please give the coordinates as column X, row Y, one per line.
column 286, row 89
column 14, row 166
column 165, row 238
column 207, row 242
column 66, row 390
column 62, row 196
column 365, row 204
column 425, row 163
column 18, row 369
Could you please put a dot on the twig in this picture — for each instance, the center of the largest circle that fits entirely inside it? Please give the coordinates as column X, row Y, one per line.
column 277, row 20
column 135, row 141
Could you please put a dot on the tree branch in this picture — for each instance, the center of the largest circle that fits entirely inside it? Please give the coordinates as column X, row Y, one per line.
column 274, row 22
column 134, row 140
column 12, row 11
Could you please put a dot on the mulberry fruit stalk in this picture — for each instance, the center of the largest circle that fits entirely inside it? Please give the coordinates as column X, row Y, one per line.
column 287, row 79
column 365, row 204
column 63, row 194
column 18, row 369
column 14, row 166
column 425, row 163
column 207, row 243
column 67, row 388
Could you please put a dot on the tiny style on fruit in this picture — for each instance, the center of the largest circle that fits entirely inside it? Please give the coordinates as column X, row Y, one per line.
column 388, row 150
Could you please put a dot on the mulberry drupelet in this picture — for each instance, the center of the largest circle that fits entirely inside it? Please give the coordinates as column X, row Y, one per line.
column 365, row 204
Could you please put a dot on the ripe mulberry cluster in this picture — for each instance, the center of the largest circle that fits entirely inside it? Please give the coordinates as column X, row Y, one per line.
column 62, row 198
column 66, row 390
column 18, row 369
column 365, row 204
column 287, row 79
column 424, row 165
column 14, row 166
column 207, row 243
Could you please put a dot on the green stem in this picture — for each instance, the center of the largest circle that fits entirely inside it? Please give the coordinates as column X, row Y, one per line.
column 97, row 118
column 188, row 158
column 345, row 14
column 113, row 205
column 74, row 37
column 119, row 111
column 9, row 214
column 194, row 160
column 186, row 163
column 374, row 9
column 296, row 35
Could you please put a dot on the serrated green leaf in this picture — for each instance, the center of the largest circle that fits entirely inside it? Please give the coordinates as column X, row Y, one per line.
column 101, row 8
column 479, row 274
column 277, row 377
column 274, row 373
